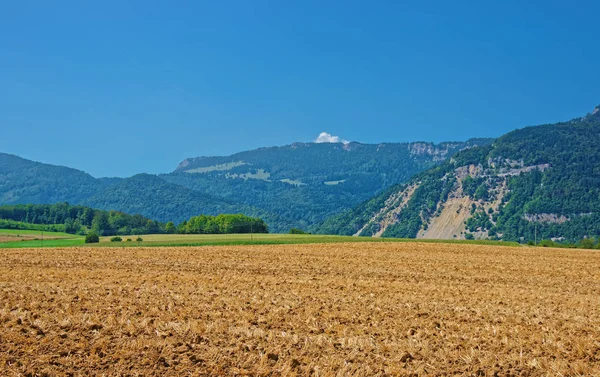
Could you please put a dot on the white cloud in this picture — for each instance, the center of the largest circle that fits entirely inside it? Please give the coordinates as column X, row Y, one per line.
column 325, row 137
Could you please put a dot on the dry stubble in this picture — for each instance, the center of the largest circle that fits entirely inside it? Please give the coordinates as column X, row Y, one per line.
column 329, row 309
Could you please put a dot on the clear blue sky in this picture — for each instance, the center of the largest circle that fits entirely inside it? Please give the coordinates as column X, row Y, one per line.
column 123, row 87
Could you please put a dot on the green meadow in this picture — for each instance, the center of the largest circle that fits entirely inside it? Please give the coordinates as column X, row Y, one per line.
column 55, row 239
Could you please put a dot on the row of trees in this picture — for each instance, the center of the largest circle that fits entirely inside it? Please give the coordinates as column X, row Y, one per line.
column 220, row 224
column 62, row 217
column 77, row 219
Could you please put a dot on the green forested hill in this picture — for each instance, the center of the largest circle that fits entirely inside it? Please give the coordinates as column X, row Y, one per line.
column 153, row 197
column 537, row 182
column 298, row 185
column 25, row 181
column 307, row 182
column 362, row 166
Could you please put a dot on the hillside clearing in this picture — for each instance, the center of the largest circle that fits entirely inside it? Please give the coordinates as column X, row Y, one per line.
column 336, row 309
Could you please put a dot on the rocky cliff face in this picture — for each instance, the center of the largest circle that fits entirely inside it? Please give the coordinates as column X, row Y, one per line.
column 541, row 181
column 450, row 216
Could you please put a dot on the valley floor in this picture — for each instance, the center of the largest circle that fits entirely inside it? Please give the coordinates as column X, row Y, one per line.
column 31, row 239
column 327, row 309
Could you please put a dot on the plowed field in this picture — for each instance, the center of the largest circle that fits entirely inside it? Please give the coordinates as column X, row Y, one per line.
column 315, row 309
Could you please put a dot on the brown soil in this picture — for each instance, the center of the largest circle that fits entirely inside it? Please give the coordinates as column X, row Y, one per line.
column 340, row 309
column 12, row 238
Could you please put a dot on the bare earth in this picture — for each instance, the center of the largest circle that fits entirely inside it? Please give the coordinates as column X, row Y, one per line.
column 451, row 222
column 23, row 237
column 330, row 309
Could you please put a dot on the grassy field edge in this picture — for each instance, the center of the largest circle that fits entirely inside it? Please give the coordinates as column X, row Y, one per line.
column 183, row 240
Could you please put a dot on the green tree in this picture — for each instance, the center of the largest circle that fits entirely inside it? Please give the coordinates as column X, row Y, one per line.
column 170, row 228
column 100, row 224
column 87, row 217
column 182, row 228
column 70, row 226
column 152, row 227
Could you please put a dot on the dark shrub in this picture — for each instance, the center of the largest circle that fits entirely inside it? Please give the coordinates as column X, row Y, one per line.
column 92, row 238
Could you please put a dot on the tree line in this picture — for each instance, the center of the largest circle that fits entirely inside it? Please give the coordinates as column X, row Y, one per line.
column 77, row 219
column 220, row 224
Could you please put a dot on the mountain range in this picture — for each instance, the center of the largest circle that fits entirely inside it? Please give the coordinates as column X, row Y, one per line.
column 540, row 182
column 298, row 185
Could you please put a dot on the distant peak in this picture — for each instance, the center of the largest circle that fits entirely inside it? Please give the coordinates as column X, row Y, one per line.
column 596, row 110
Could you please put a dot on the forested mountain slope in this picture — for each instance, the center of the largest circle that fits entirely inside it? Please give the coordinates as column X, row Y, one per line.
column 24, row 181
column 307, row 182
column 298, row 185
column 536, row 182
column 153, row 197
